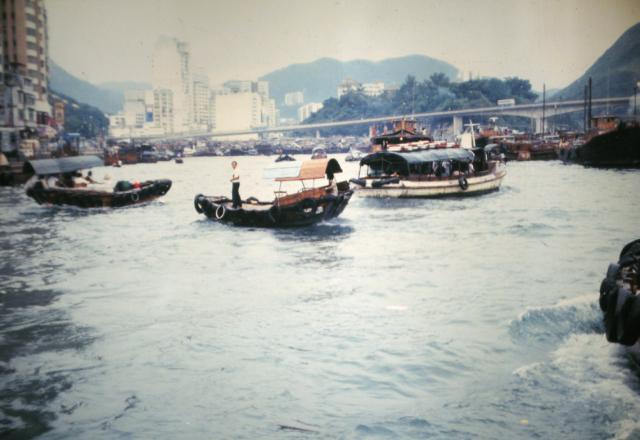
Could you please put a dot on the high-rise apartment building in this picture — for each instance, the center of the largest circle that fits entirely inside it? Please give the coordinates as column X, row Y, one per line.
column 24, row 71
column 201, row 102
column 171, row 71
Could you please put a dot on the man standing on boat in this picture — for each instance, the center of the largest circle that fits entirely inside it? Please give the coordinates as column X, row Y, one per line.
column 235, row 185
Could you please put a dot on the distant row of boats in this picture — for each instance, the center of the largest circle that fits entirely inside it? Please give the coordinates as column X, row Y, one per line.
column 403, row 164
column 610, row 143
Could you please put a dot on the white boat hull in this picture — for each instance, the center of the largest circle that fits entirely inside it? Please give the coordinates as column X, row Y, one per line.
column 439, row 188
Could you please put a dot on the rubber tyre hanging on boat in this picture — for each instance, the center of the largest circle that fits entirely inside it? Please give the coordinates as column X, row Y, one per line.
column 463, row 182
column 612, row 271
column 134, row 197
column 630, row 248
column 197, row 205
column 220, row 214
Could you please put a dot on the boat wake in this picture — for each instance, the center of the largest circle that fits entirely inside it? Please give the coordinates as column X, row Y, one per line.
column 588, row 383
column 557, row 322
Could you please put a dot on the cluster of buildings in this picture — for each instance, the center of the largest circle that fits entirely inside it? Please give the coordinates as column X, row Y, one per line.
column 368, row 89
column 25, row 107
column 303, row 111
column 182, row 100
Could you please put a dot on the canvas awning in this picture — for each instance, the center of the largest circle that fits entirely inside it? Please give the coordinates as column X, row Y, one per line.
column 46, row 167
column 308, row 170
column 419, row 157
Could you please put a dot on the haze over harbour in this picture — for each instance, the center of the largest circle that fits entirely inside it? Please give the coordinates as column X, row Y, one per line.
column 544, row 41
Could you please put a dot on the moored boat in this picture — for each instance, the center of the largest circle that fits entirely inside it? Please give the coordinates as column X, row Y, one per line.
column 354, row 155
column 302, row 208
column 318, row 153
column 64, row 192
column 612, row 144
column 284, row 158
column 429, row 173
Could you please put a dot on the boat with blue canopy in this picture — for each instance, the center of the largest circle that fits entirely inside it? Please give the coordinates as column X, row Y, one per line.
column 426, row 173
column 60, row 182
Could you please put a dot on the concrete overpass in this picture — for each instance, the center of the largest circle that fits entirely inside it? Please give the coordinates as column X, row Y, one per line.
column 533, row 111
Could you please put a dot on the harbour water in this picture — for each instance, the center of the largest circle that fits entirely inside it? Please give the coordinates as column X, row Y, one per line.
column 473, row 318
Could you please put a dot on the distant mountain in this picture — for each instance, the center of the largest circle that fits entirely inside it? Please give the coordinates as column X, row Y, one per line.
column 81, row 118
column 319, row 79
column 614, row 73
column 122, row 86
column 109, row 101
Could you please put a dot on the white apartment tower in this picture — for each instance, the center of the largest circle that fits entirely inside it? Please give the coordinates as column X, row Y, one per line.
column 171, row 72
column 201, row 102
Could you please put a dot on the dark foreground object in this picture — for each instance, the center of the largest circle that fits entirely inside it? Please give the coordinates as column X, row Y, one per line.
column 618, row 297
column 300, row 209
column 619, row 148
column 87, row 198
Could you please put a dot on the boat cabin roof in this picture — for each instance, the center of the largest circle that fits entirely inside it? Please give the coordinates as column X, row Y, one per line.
column 46, row 167
column 400, row 136
column 419, row 157
column 306, row 170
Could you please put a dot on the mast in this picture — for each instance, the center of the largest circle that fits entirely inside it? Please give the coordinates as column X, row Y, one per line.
column 584, row 110
column 544, row 104
column 589, row 114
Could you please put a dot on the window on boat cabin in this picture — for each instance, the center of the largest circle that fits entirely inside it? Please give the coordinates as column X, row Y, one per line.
column 387, row 168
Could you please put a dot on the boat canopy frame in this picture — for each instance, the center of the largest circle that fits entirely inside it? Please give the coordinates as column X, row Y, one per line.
column 313, row 169
column 63, row 165
column 402, row 162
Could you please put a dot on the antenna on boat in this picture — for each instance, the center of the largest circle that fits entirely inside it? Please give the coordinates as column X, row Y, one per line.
column 473, row 135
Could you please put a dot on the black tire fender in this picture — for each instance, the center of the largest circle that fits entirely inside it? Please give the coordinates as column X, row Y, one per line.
column 463, row 182
column 612, row 271
column 221, row 211
column 197, row 205
column 630, row 248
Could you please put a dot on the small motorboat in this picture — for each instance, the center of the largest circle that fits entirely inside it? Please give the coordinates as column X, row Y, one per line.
column 285, row 158
column 308, row 206
column 319, row 153
column 124, row 193
column 354, row 155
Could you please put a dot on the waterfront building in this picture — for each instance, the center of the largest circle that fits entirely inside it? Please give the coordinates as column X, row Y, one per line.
column 248, row 86
column 293, row 99
column 137, row 115
column 163, row 110
column 240, row 104
column 236, row 111
column 201, row 102
column 373, row 89
column 308, row 109
column 58, row 113
column 269, row 112
column 24, row 74
column 348, row 85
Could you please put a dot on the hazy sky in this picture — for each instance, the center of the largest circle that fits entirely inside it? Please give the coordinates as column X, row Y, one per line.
column 541, row 40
